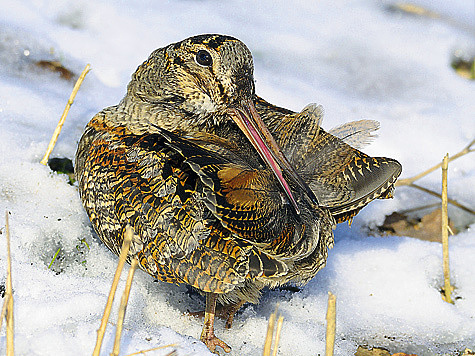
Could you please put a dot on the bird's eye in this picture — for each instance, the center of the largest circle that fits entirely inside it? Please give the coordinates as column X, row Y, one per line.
column 203, row 58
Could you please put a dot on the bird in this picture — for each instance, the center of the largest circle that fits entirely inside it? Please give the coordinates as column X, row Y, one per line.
column 224, row 191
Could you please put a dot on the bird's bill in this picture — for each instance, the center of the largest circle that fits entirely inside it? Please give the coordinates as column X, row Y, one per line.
column 250, row 123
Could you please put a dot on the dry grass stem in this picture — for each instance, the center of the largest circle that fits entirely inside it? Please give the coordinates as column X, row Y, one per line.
column 268, row 344
column 450, row 201
column 6, row 301
column 270, row 334
column 7, row 309
column 450, row 230
column 142, row 352
column 415, row 10
column 123, row 307
column 331, row 325
column 423, row 207
column 70, row 102
column 445, row 232
column 409, row 181
column 280, row 322
column 122, row 258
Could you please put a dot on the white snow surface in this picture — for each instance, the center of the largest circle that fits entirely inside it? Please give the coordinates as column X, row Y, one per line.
column 356, row 58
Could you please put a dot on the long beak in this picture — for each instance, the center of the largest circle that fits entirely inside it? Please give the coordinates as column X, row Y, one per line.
column 250, row 123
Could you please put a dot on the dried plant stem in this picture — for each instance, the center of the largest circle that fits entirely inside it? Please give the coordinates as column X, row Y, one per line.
column 415, row 10
column 268, row 345
column 7, row 309
column 331, row 325
column 142, row 352
column 280, row 322
column 428, row 206
column 445, row 232
column 451, row 201
column 123, row 307
column 409, row 181
column 70, row 102
column 269, row 335
column 122, row 258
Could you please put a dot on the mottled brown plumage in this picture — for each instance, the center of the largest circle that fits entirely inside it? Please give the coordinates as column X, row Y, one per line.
column 213, row 201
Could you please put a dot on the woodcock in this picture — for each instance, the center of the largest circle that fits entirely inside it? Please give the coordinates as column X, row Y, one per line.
column 224, row 191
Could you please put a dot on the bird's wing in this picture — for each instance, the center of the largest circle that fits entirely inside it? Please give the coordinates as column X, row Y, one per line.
column 185, row 232
column 247, row 200
column 343, row 178
column 357, row 134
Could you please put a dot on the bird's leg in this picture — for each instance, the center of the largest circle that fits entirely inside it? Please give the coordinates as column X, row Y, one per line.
column 207, row 335
column 224, row 312
column 230, row 311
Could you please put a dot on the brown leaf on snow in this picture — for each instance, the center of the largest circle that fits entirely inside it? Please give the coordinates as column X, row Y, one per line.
column 427, row 228
column 375, row 351
column 57, row 67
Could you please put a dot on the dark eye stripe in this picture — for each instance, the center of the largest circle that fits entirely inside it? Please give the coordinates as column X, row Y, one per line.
column 203, row 58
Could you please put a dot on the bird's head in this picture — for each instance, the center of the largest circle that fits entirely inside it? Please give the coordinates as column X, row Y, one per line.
column 191, row 84
column 200, row 83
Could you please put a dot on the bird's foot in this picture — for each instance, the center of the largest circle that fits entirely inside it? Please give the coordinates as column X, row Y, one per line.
column 211, row 341
column 207, row 335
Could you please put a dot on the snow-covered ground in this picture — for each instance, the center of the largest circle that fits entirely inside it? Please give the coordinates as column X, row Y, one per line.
column 356, row 58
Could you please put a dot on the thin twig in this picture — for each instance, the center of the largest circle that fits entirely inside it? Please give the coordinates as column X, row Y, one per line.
column 269, row 334
column 417, row 10
column 9, row 293
column 280, row 322
column 423, row 207
column 331, row 325
column 409, row 181
column 122, row 258
column 445, row 232
column 450, row 230
column 268, row 344
column 70, row 102
column 123, row 307
column 451, row 201
column 142, row 352
column 7, row 296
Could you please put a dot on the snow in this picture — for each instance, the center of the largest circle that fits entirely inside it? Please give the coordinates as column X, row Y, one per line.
column 356, row 58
